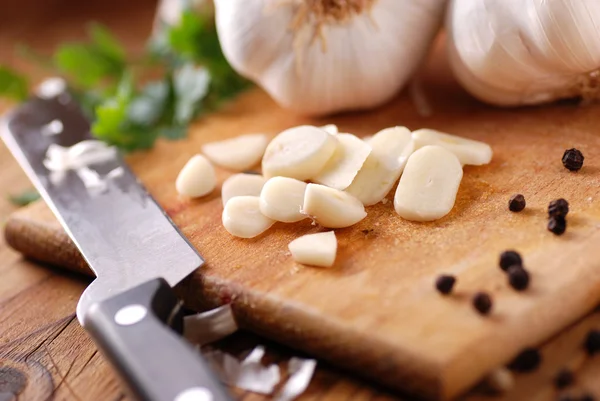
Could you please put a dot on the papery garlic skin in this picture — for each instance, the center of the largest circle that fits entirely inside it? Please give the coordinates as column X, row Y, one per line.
column 357, row 63
column 519, row 52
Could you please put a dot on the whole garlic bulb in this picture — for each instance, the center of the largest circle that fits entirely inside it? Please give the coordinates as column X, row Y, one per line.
column 516, row 52
column 324, row 56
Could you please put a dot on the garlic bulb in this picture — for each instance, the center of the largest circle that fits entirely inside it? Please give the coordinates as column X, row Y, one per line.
column 323, row 56
column 515, row 52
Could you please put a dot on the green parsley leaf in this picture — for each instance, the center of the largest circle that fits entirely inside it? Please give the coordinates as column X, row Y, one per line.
column 149, row 106
column 190, row 85
column 24, row 198
column 12, row 84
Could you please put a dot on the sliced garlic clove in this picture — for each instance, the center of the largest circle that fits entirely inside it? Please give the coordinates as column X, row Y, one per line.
column 330, row 128
column 242, row 185
column 428, row 186
column 197, row 178
column 299, row 152
column 345, row 163
column 331, row 207
column 315, row 249
column 282, row 199
column 239, row 153
column 468, row 151
column 391, row 148
column 242, row 217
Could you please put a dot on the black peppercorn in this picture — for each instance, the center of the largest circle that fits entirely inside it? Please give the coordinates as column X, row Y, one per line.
column 529, row 359
column 564, row 378
column 592, row 342
column 558, row 207
column 516, row 203
column 518, row 278
column 482, row 303
column 587, row 397
column 572, row 159
column 445, row 283
column 510, row 258
column 557, row 225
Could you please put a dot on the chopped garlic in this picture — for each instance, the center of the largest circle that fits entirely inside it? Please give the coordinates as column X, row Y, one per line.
column 197, row 178
column 315, row 249
column 331, row 207
column 242, row 217
column 391, row 148
column 428, row 186
column 239, row 153
column 240, row 185
column 330, row 129
column 299, row 152
column 500, row 380
column 345, row 163
column 468, row 151
column 282, row 199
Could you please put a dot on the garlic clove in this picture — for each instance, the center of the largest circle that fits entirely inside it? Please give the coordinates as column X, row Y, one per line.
column 315, row 249
column 299, row 152
column 239, row 153
column 391, row 148
column 331, row 207
column 242, row 217
column 467, row 150
column 282, row 199
column 342, row 167
column 330, row 128
column 241, row 185
column 197, row 178
column 428, row 186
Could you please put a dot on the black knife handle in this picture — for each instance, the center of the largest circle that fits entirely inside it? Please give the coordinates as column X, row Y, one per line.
column 137, row 330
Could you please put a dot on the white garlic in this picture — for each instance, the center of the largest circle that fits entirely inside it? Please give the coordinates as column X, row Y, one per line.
column 282, row 199
column 330, row 128
column 242, row 217
column 331, row 207
column 319, row 57
column 391, row 148
column 241, row 185
column 428, row 186
column 315, row 249
column 344, row 164
column 515, row 52
column 299, row 152
column 197, row 178
column 239, row 153
column 467, row 150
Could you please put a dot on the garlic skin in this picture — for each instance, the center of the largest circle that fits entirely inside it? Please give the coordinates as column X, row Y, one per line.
column 520, row 52
column 336, row 63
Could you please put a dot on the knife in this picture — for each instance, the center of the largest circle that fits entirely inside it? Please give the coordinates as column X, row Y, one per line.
column 132, row 246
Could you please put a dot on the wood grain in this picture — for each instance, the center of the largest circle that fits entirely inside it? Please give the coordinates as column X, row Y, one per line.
column 376, row 312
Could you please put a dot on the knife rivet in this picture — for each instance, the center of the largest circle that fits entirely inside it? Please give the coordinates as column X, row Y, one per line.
column 195, row 394
column 130, row 314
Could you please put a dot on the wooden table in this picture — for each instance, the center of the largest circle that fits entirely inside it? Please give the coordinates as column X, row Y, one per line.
column 45, row 354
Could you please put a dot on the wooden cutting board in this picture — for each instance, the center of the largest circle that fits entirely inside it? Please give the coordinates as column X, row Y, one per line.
column 376, row 311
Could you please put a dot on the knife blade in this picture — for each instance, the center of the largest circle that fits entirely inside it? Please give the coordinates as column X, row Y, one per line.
column 132, row 246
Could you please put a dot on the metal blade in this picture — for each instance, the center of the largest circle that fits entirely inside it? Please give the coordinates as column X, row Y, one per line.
column 123, row 234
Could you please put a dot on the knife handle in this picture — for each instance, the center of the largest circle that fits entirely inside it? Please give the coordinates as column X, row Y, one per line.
column 139, row 332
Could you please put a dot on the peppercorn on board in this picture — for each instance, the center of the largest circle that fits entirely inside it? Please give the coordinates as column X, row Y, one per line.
column 376, row 311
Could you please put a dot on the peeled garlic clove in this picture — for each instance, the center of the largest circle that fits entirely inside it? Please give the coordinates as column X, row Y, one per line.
column 428, row 186
column 242, row 217
column 320, row 57
column 342, row 167
column 197, row 178
column 391, row 148
column 239, row 153
column 330, row 128
column 241, row 185
column 299, row 152
column 468, row 151
column 282, row 199
column 525, row 51
column 331, row 207
column 315, row 249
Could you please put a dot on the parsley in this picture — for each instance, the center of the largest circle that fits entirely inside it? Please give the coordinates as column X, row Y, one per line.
column 24, row 198
column 12, row 85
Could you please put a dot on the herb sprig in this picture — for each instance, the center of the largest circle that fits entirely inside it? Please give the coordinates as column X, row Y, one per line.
column 191, row 77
